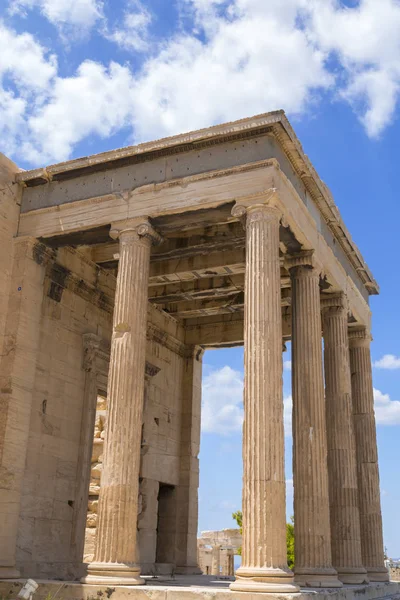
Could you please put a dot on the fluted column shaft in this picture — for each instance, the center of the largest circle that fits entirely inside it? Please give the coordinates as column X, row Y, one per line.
column 313, row 561
column 367, row 456
column 343, row 490
column 264, row 562
column 115, row 559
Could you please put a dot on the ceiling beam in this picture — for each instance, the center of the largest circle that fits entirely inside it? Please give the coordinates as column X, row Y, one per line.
column 226, row 305
column 224, row 331
column 203, row 241
column 202, row 289
column 198, row 289
column 230, row 262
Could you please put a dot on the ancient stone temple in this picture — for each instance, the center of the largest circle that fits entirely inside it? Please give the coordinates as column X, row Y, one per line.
column 216, row 551
column 116, row 272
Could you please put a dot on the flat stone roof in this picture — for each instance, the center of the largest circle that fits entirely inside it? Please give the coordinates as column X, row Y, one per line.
column 274, row 122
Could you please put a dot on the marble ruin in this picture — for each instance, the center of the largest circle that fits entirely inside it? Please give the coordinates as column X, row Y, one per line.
column 116, row 272
column 216, row 551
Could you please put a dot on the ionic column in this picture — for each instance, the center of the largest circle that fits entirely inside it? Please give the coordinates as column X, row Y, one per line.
column 313, row 564
column 343, row 491
column 264, row 563
column 367, row 455
column 115, row 560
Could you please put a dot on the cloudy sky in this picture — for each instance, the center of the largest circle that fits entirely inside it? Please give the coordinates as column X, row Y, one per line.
column 82, row 76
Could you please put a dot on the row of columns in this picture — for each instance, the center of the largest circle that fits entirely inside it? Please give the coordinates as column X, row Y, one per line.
column 338, row 526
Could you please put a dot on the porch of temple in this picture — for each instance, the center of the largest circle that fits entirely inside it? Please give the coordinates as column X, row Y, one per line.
column 117, row 271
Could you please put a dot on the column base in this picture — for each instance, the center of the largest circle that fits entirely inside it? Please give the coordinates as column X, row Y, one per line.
column 113, row 574
column 264, row 580
column 317, row 578
column 378, row 574
column 9, row 573
column 352, row 575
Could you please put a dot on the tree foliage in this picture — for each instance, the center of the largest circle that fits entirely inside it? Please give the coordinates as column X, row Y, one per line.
column 238, row 517
column 290, row 543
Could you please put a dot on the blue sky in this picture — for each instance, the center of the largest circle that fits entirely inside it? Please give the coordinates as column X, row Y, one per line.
column 82, row 76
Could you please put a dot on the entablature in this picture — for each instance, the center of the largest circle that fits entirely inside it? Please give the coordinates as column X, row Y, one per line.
column 199, row 267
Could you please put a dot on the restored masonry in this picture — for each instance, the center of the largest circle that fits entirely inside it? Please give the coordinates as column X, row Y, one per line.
column 117, row 271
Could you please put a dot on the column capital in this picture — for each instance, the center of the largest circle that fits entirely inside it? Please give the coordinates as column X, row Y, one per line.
column 332, row 304
column 138, row 228
column 306, row 259
column 257, row 206
column 359, row 336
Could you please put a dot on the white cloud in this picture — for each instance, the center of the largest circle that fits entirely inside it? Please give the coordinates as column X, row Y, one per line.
column 222, row 401
column 76, row 14
column 366, row 41
column 387, row 411
column 25, row 61
column 252, row 56
column 287, row 415
column 96, row 101
column 388, row 361
column 133, row 32
column 251, row 64
column 27, row 71
column 287, row 365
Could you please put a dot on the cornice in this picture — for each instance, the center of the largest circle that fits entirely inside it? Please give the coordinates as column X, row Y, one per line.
column 210, row 136
column 322, row 197
column 273, row 122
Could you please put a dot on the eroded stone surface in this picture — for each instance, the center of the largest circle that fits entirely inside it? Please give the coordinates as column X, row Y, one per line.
column 207, row 284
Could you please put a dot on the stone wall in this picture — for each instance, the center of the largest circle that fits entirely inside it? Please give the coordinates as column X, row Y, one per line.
column 10, row 198
column 394, row 573
column 50, row 300
column 10, row 481
column 77, row 299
